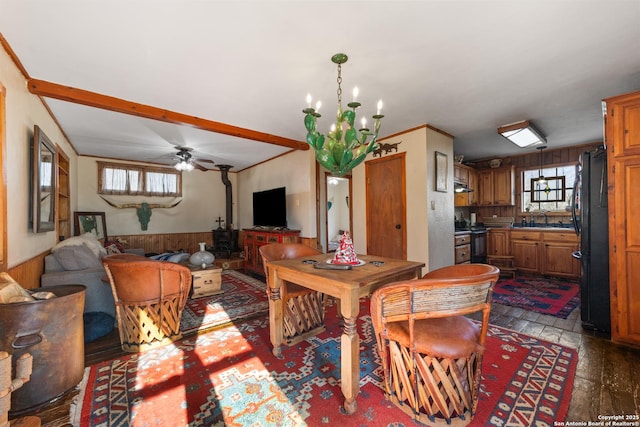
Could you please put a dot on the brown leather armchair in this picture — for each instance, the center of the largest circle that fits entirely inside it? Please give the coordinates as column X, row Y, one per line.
column 149, row 296
column 431, row 351
column 303, row 308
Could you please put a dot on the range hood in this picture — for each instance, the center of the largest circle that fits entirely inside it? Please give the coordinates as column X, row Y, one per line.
column 461, row 188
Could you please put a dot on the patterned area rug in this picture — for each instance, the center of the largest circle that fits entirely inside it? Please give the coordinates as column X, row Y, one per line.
column 229, row 377
column 555, row 297
column 242, row 297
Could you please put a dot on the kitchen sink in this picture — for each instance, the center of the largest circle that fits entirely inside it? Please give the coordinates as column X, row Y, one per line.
column 543, row 225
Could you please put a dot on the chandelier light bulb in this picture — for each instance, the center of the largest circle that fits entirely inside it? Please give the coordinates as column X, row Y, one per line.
column 355, row 93
column 379, row 106
column 309, row 100
column 364, row 123
column 318, row 105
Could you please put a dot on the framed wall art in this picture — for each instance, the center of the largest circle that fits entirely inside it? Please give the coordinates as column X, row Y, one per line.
column 90, row 222
column 441, row 172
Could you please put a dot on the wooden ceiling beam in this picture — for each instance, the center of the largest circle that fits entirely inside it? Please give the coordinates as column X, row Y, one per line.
column 92, row 99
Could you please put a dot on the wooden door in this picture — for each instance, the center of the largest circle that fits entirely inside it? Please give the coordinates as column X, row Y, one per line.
column 526, row 255
column 622, row 130
column 386, row 207
column 473, row 184
column 503, row 193
column 558, row 260
column 498, row 243
column 485, row 184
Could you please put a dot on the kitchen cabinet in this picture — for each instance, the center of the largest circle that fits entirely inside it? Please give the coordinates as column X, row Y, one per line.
column 468, row 177
column 525, row 246
column 254, row 238
column 461, row 174
column 496, row 186
column 622, row 137
column 557, row 249
column 498, row 242
column 462, row 247
column 473, row 184
column 547, row 252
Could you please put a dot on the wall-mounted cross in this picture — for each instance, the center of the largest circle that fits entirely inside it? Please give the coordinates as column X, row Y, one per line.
column 219, row 221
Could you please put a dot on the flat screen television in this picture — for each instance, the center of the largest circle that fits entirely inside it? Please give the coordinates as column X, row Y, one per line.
column 270, row 208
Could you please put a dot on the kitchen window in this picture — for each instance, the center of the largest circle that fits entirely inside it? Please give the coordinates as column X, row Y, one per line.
column 126, row 179
column 554, row 195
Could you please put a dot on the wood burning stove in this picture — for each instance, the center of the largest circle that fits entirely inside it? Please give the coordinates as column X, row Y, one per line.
column 225, row 239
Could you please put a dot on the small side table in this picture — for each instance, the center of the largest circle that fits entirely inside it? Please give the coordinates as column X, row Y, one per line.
column 207, row 281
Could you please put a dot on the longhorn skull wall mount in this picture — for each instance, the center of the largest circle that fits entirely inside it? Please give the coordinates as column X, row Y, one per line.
column 143, row 210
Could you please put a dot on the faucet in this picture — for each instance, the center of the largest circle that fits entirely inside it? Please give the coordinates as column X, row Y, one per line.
column 544, row 214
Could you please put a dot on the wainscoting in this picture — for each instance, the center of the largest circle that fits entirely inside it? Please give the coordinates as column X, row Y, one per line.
column 28, row 273
column 171, row 242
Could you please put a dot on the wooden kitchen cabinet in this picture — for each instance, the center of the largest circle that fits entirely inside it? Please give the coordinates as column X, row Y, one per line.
column 462, row 247
column 496, row 187
column 545, row 252
column 473, row 184
column 253, row 239
column 525, row 246
column 498, row 242
column 622, row 137
column 469, row 177
column 557, row 249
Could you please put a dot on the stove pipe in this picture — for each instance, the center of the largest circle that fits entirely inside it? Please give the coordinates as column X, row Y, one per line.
column 224, row 173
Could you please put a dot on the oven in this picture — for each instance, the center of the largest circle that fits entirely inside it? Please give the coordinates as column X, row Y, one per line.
column 478, row 245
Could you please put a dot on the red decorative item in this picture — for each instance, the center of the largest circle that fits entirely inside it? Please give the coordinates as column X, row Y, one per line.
column 345, row 254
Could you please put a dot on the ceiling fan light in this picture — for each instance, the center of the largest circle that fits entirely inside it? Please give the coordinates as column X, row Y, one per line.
column 523, row 134
column 184, row 166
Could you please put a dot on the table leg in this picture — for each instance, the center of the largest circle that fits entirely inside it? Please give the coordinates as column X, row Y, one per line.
column 350, row 354
column 275, row 311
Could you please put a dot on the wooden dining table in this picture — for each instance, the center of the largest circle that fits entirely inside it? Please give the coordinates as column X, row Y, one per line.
column 348, row 286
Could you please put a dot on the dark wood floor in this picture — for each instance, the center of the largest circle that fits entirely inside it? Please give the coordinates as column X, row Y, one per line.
column 607, row 380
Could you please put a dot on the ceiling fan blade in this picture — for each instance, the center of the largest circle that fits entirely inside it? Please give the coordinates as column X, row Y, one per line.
column 199, row 166
column 205, row 160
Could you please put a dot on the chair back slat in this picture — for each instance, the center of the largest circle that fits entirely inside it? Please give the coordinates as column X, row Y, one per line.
column 448, row 300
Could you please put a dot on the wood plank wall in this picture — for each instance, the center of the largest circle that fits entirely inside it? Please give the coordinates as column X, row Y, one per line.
column 550, row 157
column 170, row 242
column 28, row 273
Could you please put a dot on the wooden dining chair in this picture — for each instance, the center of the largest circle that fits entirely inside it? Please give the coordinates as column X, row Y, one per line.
column 431, row 351
column 150, row 296
column 303, row 309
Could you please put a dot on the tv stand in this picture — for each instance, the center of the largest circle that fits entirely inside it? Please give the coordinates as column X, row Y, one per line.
column 256, row 237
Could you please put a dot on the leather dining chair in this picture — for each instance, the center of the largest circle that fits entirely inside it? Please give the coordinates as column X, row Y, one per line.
column 431, row 351
column 149, row 296
column 303, row 309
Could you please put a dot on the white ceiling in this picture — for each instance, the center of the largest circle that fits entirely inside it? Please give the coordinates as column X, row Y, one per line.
column 466, row 67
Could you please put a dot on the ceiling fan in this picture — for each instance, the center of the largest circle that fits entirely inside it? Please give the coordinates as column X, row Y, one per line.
column 186, row 161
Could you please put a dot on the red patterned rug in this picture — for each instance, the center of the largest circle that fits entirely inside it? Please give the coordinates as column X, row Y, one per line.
column 555, row 297
column 243, row 297
column 229, row 377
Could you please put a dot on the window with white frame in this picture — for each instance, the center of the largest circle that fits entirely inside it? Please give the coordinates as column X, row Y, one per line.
column 553, row 193
column 126, row 179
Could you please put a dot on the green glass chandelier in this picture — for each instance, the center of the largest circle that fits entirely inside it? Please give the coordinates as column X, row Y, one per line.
column 344, row 147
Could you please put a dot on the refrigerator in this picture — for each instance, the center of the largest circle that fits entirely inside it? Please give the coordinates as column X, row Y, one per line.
column 590, row 219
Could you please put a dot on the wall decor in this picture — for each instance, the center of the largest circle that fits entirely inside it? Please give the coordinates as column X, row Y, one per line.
column 43, row 203
column 441, row 172
column 90, row 222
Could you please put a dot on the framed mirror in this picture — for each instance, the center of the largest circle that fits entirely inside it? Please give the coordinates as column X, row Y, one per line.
column 338, row 209
column 44, row 182
column 90, row 222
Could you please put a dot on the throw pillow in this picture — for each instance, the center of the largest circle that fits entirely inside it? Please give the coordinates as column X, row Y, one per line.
column 96, row 325
column 77, row 258
column 113, row 247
